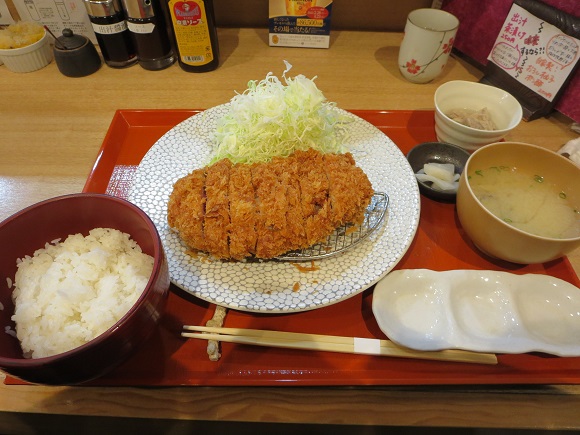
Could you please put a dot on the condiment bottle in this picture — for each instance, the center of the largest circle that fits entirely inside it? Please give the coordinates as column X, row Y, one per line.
column 195, row 32
column 110, row 27
column 148, row 29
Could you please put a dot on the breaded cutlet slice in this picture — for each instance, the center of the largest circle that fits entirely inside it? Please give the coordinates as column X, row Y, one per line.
column 287, row 172
column 271, row 206
column 186, row 208
column 217, row 214
column 347, row 204
column 314, row 197
column 242, row 212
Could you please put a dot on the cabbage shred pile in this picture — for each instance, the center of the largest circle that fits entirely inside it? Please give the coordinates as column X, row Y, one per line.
column 271, row 118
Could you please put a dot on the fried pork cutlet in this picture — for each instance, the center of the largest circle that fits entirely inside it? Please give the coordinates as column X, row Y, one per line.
column 242, row 213
column 347, row 204
column 186, row 208
column 314, row 197
column 217, row 209
column 288, row 174
column 267, row 209
column 271, row 205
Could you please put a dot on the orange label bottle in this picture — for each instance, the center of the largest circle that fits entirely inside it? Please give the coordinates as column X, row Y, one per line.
column 195, row 32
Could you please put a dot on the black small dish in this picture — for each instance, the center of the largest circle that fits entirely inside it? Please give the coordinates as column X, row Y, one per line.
column 437, row 152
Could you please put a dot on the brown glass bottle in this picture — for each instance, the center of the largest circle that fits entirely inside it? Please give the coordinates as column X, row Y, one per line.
column 148, row 30
column 195, row 33
column 110, row 28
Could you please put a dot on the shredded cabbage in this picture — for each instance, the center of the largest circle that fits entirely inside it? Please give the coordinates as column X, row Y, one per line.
column 272, row 119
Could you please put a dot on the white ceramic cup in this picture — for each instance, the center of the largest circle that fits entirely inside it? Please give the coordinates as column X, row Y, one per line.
column 429, row 37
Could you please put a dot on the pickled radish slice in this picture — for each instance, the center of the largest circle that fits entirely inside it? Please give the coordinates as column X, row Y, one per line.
column 442, row 171
column 436, row 182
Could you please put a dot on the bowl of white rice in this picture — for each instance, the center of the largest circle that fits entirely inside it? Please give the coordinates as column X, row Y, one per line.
column 83, row 284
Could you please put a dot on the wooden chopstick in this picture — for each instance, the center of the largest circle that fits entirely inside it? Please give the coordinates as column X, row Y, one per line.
column 331, row 343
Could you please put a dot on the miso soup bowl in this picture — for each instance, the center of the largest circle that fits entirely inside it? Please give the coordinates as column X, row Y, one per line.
column 498, row 239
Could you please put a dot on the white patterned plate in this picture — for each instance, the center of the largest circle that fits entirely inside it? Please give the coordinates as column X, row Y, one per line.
column 272, row 286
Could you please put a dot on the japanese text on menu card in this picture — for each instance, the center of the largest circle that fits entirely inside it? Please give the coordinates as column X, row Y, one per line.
column 534, row 52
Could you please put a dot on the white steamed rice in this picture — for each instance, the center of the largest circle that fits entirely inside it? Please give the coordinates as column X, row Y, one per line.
column 69, row 292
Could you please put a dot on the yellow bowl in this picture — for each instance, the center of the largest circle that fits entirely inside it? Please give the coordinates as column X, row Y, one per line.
column 29, row 58
column 491, row 234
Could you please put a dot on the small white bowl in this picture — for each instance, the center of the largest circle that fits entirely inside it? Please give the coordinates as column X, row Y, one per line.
column 505, row 110
column 30, row 58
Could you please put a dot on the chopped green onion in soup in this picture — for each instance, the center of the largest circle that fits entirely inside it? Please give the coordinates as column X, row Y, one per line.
column 529, row 202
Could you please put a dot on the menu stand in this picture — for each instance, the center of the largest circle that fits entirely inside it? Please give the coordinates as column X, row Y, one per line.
column 534, row 105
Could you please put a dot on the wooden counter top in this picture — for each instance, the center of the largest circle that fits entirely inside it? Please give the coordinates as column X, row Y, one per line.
column 51, row 130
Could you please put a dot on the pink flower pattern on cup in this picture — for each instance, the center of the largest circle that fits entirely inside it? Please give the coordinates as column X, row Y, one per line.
column 447, row 47
column 413, row 68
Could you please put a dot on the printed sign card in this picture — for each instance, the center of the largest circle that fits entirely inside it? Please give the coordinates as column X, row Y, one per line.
column 5, row 16
column 57, row 15
column 534, row 57
column 535, row 53
column 299, row 23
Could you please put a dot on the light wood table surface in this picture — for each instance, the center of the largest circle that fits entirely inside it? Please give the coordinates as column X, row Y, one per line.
column 51, row 128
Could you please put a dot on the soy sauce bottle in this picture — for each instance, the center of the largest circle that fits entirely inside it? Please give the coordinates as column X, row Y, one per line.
column 195, row 33
column 148, row 30
column 113, row 37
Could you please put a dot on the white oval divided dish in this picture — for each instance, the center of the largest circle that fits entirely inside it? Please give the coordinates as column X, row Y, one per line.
column 479, row 310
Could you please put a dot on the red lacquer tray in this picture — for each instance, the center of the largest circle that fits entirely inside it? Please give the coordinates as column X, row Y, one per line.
column 439, row 244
